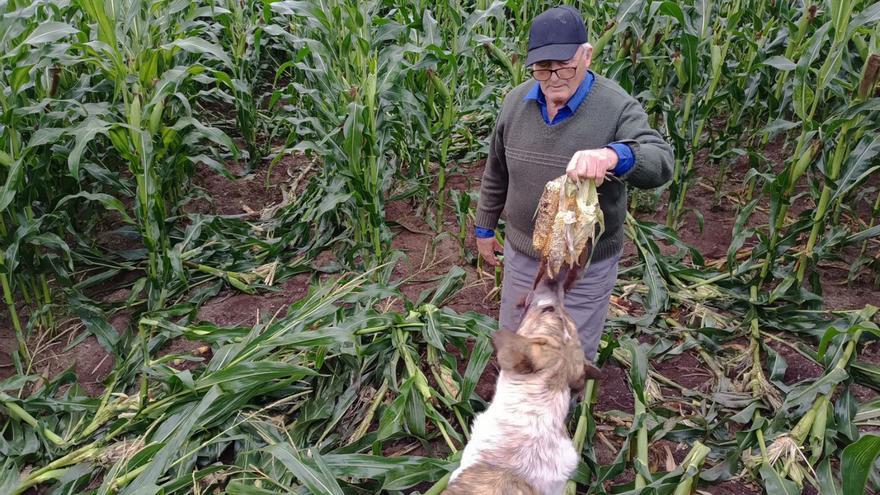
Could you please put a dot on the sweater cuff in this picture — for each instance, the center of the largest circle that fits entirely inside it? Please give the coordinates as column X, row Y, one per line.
column 482, row 233
column 637, row 159
column 486, row 219
column 625, row 158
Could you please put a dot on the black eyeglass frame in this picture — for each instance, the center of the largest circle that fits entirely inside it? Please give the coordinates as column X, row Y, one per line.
column 550, row 73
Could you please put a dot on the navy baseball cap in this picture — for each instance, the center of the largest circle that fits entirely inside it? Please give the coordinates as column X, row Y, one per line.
column 556, row 34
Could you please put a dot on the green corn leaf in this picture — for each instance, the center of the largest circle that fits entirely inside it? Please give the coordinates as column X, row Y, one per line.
column 638, row 372
column 868, row 410
column 858, row 165
column 430, row 331
column 411, row 475
column 96, row 324
column 866, row 373
column 241, row 377
column 781, row 63
column 180, row 427
column 50, row 32
column 7, row 193
column 480, row 356
column 200, row 46
column 212, row 133
column 9, row 476
column 856, row 463
column 802, row 397
column 83, row 134
column 803, row 98
column 776, row 484
column 196, row 477
column 827, row 483
column 45, row 135
column 449, row 286
column 479, row 17
column 415, row 414
column 373, row 467
column 108, row 201
column 672, row 9
column 663, row 233
column 690, row 60
column 866, row 17
column 393, row 414
column 864, row 235
column 658, row 294
column 779, row 125
column 833, row 332
column 309, row 469
column 21, row 78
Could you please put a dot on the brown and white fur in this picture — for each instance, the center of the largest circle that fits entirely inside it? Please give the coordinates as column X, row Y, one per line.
column 520, row 444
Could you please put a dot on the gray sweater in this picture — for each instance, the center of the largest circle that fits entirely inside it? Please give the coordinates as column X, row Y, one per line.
column 525, row 153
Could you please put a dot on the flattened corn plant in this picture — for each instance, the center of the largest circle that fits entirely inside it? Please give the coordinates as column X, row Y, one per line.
column 338, row 385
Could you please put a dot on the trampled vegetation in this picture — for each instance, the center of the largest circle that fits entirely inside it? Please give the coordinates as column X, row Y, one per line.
column 115, row 114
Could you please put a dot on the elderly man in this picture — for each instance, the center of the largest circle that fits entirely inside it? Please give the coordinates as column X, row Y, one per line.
column 569, row 120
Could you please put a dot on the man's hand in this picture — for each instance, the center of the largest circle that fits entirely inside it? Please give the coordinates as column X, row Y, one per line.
column 487, row 247
column 592, row 164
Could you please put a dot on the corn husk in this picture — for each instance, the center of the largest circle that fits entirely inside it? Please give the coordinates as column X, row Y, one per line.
column 566, row 224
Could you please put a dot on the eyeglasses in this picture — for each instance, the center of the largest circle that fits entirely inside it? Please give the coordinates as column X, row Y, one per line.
column 562, row 73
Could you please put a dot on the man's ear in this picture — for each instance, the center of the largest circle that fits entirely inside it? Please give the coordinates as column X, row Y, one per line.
column 588, row 52
column 519, row 354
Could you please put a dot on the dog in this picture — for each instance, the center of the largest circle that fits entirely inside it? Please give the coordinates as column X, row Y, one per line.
column 520, row 444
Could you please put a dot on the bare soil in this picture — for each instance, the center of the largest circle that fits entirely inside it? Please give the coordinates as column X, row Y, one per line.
column 248, row 193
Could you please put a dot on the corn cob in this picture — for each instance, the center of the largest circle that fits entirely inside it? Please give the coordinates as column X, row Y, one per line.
column 545, row 215
column 566, row 224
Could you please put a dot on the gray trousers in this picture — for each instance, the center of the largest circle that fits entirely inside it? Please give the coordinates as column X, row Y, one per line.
column 587, row 301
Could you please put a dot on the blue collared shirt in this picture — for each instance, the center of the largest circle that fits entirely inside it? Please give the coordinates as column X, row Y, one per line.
column 625, row 158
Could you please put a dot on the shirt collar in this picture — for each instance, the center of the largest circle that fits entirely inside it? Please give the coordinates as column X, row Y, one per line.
column 576, row 99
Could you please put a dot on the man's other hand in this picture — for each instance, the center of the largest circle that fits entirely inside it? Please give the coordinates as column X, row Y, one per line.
column 487, row 248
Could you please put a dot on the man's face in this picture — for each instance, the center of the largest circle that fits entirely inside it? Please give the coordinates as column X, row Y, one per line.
column 558, row 90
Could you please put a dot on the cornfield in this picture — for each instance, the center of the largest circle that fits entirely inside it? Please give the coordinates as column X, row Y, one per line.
column 330, row 332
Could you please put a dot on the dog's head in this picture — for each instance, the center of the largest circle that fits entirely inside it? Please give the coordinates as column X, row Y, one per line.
column 546, row 342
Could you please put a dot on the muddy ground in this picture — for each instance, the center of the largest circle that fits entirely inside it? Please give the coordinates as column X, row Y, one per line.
column 429, row 257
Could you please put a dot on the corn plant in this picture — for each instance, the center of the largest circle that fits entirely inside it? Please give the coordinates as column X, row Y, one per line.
column 358, row 148
column 243, row 33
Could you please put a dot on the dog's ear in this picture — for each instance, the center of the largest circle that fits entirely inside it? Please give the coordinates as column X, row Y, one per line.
column 591, row 371
column 576, row 382
column 513, row 351
column 522, row 355
column 577, row 379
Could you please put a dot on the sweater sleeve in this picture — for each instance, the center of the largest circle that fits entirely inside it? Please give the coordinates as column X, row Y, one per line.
column 493, row 187
column 653, row 155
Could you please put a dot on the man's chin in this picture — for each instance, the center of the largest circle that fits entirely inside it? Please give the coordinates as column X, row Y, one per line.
column 557, row 98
